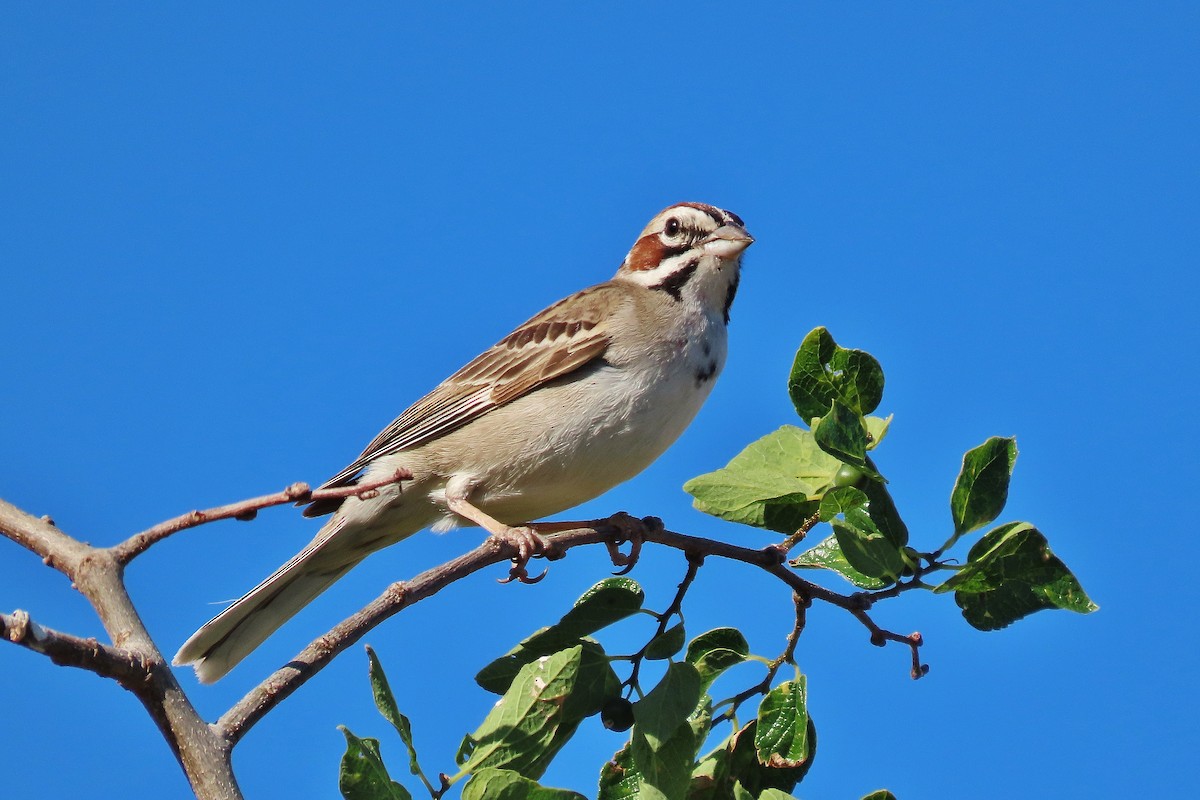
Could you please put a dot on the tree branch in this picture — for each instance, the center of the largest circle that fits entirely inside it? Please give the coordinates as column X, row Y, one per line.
column 68, row 650
column 203, row 751
column 133, row 660
column 246, row 510
column 234, row 723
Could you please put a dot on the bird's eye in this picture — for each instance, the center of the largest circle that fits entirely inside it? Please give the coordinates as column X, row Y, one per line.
column 672, row 227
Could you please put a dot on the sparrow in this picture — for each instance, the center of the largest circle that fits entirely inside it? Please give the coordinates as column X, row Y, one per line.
column 582, row 397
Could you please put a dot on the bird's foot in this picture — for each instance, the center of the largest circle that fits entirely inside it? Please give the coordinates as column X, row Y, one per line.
column 526, row 540
column 529, row 545
column 629, row 529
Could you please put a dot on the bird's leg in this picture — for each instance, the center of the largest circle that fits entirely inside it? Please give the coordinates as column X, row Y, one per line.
column 527, row 542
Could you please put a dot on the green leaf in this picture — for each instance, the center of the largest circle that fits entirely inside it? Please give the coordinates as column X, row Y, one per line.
column 843, row 434
column 1011, row 573
column 671, row 722
column 781, row 739
column 619, row 777
column 667, row 643
column 465, row 748
column 541, row 710
column 867, row 550
column 385, row 701
column 658, row 715
column 609, row 601
column 823, row 372
column 864, row 546
column 774, row 794
column 745, row 767
column 878, row 427
column 504, row 784
column 665, row 767
column 841, row 501
column 827, row 555
column 775, row 483
column 880, row 794
column 362, row 775
column 715, row 651
column 883, row 512
column 982, row 487
column 741, row 792
column 709, row 775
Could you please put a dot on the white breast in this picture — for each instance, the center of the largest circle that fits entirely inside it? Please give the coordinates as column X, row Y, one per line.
column 571, row 441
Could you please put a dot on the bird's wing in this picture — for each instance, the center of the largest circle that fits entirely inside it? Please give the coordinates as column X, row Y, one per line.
column 565, row 337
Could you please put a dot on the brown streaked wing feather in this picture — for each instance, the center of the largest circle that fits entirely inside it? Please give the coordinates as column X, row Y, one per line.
column 561, row 339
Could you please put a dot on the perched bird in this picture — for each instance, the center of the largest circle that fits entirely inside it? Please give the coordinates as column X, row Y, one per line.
column 580, row 398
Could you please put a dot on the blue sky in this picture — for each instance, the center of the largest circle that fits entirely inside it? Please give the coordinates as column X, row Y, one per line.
column 236, row 242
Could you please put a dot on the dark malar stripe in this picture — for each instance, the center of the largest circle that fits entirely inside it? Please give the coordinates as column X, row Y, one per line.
column 729, row 295
column 673, row 284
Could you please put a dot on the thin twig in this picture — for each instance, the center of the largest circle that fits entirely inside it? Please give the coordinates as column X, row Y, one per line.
column 880, row 637
column 137, row 544
column 786, row 657
column 801, row 533
column 68, row 650
column 694, row 561
column 260, row 700
column 235, row 722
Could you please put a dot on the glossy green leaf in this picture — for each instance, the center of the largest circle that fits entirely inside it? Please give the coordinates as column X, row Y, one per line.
column 841, row 433
column 1011, row 573
column 362, row 775
column 665, row 765
column 667, row 643
column 775, row 483
column 609, row 601
column 841, row 500
column 823, row 372
column 746, row 768
column 880, row 794
column 709, row 775
column 619, row 777
column 715, row 651
column 781, row 739
column 385, row 701
column 827, row 555
column 741, row 792
column 503, row 784
column 861, row 542
column 659, row 714
column 867, row 550
column 878, row 427
column 882, row 510
column 982, row 487
column 541, row 710
column 775, row 794
column 465, row 748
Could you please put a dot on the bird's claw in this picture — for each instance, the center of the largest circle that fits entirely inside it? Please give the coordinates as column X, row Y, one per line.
column 529, row 545
column 519, row 573
column 629, row 529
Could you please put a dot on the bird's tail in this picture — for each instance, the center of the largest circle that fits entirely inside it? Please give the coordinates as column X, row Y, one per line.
column 230, row 636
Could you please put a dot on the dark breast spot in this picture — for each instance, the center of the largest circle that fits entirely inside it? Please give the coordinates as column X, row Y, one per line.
column 730, row 294
column 707, row 372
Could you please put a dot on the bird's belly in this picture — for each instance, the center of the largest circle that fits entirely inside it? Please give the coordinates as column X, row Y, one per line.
column 572, row 441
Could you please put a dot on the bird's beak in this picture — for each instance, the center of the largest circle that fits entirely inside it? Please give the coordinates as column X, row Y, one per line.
column 727, row 241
